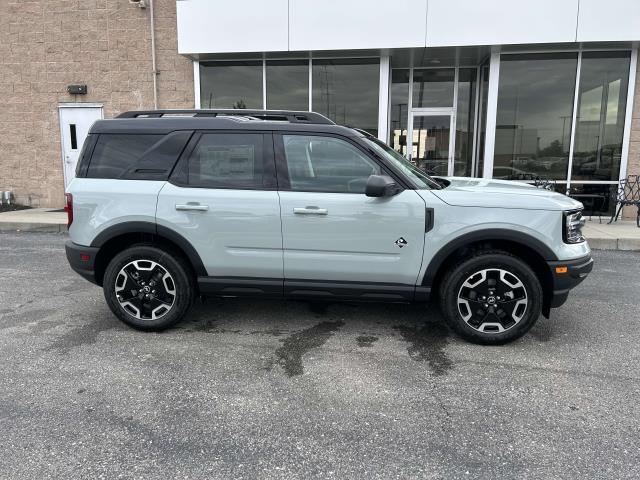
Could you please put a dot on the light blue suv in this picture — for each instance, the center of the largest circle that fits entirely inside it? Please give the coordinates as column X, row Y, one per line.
column 168, row 206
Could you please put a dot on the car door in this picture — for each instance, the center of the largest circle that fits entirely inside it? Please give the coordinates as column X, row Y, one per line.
column 222, row 199
column 332, row 232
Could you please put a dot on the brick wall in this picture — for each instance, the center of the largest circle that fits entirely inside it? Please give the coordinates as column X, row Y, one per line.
column 46, row 45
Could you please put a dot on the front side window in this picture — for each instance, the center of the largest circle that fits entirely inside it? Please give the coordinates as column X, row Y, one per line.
column 326, row 164
column 222, row 160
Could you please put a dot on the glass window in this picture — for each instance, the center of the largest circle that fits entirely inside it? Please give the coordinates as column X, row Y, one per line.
column 482, row 120
column 288, row 85
column 326, row 164
column 533, row 123
column 433, row 87
column 465, row 122
column 399, row 108
column 604, row 78
column 231, row 84
column 223, row 160
column 115, row 154
column 346, row 91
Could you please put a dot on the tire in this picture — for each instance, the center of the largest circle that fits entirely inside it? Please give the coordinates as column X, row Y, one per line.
column 491, row 298
column 149, row 288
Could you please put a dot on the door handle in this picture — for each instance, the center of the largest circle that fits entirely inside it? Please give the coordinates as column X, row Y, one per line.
column 192, row 207
column 310, row 211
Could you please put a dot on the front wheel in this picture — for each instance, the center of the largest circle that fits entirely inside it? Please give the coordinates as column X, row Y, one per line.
column 491, row 298
column 148, row 288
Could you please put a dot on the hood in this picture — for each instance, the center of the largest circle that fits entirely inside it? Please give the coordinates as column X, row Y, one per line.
column 482, row 192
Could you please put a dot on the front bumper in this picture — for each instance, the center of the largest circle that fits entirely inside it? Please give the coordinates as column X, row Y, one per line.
column 567, row 275
column 82, row 259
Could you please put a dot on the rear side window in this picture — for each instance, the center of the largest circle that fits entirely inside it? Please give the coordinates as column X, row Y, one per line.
column 114, row 153
column 227, row 160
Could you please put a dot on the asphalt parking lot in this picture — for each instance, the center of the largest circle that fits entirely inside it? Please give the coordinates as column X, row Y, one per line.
column 257, row 389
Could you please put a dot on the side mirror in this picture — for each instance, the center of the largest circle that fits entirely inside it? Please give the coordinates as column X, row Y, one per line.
column 381, row 186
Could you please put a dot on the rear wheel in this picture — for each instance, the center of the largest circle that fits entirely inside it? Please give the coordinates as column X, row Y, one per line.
column 491, row 298
column 148, row 288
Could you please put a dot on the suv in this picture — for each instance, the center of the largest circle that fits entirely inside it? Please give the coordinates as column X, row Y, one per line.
column 171, row 205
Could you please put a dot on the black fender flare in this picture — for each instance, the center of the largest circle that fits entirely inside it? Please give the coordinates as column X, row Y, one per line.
column 156, row 230
column 485, row 235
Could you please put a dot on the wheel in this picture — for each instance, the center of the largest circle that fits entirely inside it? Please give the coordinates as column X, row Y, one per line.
column 491, row 298
column 148, row 288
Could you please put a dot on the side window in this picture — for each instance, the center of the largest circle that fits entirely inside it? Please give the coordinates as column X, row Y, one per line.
column 326, row 164
column 227, row 160
column 115, row 153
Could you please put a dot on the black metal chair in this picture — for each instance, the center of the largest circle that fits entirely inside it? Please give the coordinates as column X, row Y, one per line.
column 628, row 194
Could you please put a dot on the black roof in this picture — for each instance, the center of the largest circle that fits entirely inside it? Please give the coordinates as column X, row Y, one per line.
column 165, row 121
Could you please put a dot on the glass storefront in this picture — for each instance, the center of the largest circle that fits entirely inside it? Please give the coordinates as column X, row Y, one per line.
column 438, row 105
column 231, row 84
column 345, row 90
column 287, row 84
column 533, row 121
column 604, row 78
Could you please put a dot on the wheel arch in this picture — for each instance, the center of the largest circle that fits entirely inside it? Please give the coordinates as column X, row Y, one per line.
column 529, row 249
column 118, row 237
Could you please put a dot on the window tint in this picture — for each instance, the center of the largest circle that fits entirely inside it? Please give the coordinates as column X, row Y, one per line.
column 114, row 154
column 326, row 164
column 223, row 160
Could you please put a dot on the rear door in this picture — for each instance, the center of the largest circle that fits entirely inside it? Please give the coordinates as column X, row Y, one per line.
column 331, row 230
column 222, row 198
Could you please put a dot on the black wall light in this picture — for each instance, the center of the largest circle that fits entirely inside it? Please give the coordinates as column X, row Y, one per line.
column 77, row 89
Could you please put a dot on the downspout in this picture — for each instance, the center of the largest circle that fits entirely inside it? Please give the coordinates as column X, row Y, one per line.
column 154, row 70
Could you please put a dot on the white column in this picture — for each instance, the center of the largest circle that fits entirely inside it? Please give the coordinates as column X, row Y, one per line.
column 383, row 98
column 196, row 83
column 492, row 109
column 629, row 111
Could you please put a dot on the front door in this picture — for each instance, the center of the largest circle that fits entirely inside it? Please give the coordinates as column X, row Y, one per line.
column 432, row 148
column 75, row 121
column 331, row 230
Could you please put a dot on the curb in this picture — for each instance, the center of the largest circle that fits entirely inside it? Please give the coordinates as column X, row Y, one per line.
column 33, row 227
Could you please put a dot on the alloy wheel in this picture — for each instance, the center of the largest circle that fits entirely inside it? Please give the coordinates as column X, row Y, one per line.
column 492, row 300
column 145, row 289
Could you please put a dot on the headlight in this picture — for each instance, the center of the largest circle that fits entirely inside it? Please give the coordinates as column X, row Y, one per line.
column 573, row 223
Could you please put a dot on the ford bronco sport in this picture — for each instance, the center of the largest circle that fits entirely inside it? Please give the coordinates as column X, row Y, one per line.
column 171, row 205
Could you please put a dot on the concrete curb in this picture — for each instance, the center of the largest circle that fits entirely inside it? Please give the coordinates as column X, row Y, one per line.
column 33, row 227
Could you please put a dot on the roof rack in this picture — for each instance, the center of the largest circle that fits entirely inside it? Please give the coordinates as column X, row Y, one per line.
column 277, row 115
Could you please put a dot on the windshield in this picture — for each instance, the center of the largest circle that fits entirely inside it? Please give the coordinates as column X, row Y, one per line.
column 421, row 179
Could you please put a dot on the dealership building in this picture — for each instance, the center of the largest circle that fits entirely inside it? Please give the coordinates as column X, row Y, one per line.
column 484, row 88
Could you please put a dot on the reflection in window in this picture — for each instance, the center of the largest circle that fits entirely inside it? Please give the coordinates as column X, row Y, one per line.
column 325, row 164
column 595, row 198
column 464, row 122
column 533, row 123
column 231, row 84
column 399, row 105
column 600, row 122
column 433, row 87
column 346, row 91
column 288, row 85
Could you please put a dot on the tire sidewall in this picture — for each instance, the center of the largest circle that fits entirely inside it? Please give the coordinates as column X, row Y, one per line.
column 492, row 261
column 176, row 268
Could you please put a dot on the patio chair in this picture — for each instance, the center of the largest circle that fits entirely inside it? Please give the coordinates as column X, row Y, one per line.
column 628, row 194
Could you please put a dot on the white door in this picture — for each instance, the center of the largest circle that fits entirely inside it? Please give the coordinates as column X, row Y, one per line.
column 433, row 142
column 75, row 121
